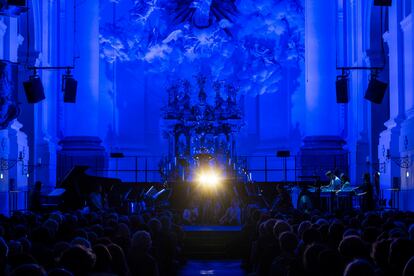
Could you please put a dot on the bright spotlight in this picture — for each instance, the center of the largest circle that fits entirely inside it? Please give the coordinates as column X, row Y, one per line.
column 209, row 179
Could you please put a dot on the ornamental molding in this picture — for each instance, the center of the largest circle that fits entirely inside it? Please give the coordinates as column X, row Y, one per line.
column 3, row 28
column 406, row 23
column 387, row 37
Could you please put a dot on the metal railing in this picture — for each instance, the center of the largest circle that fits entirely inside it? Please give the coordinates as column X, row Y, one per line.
column 288, row 169
column 263, row 168
column 13, row 201
column 134, row 169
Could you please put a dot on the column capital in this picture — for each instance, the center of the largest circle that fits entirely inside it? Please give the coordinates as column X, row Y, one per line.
column 386, row 37
column 410, row 113
column 366, row 58
column 3, row 28
column 406, row 23
column 16, row 125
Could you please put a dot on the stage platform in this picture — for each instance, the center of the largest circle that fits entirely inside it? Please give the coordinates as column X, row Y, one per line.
column 212, row 242
column 212, row 267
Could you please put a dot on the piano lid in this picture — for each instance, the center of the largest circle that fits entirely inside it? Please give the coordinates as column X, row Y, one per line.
column 79, row 179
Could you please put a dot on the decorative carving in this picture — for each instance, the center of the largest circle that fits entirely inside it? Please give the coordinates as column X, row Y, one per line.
column 202, row 128
column 3, row 28
column 251, row 42
column 203, row 13
column 9, row 109
column 6, row 164
column 402, row 162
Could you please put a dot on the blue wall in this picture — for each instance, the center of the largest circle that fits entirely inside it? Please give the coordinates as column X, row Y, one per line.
column 258, row 46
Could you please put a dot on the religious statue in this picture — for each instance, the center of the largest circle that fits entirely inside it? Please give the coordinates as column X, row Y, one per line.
column 200, row 127
column 186, row 98
column 218, row 99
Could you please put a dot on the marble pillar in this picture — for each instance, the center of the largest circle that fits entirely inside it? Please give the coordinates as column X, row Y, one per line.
column 46, row 112
column 81, row 151
column 406, row 139
column 14, row 150
column 323, row 120
column 82, row 118
column 14, row 168
column 81, row 144
column 389, row 144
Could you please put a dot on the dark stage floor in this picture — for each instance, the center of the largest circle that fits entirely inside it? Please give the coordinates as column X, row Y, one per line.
column 212, row 242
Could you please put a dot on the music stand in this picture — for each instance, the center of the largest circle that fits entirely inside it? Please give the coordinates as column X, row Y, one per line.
column 284, row 154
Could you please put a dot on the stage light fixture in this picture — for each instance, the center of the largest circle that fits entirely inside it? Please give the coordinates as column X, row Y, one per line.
column 69, row 87
column 34, row 89
column 376, row 89
column 209, row 179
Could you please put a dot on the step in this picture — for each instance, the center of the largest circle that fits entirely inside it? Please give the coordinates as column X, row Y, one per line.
column 212, row 242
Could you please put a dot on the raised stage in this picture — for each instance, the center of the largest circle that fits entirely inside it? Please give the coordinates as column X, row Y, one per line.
column 212, row 242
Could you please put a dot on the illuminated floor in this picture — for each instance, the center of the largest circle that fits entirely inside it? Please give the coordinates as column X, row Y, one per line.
column 211, row 228
column 212, row 267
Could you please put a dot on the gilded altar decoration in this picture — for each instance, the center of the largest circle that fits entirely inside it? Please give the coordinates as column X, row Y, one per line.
column 196, row 124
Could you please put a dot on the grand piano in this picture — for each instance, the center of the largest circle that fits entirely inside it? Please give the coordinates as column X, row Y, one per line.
column 79, row 185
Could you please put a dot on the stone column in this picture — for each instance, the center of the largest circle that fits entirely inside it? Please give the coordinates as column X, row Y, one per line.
column 81, row 151
column 406, row 139
column 14, row 151
column 320, row 57
column 389, row 144
column 322, row 139
column 4, row 172
column 46, row 112
column 3, row 29
column 14, row 168
column 81, row 144
column 82, row 118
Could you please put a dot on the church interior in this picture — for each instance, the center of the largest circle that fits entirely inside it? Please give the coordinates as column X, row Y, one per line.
column 206, row 137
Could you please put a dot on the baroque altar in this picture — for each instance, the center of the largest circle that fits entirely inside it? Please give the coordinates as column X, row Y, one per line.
column 197, row 125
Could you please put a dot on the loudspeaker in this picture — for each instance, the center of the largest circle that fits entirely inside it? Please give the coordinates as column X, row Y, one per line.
column 69, row 90
column 5, row 4
column 34, row 90
column 283, row 153
column 375, row 91
column 342, row 90
column 382, row 2
column 18, row 3
column 117, row 155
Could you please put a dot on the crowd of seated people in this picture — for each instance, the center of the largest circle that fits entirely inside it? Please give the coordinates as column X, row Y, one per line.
column 94, row 243
column 315, row 243
column 288, row 242
column 279, row 241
